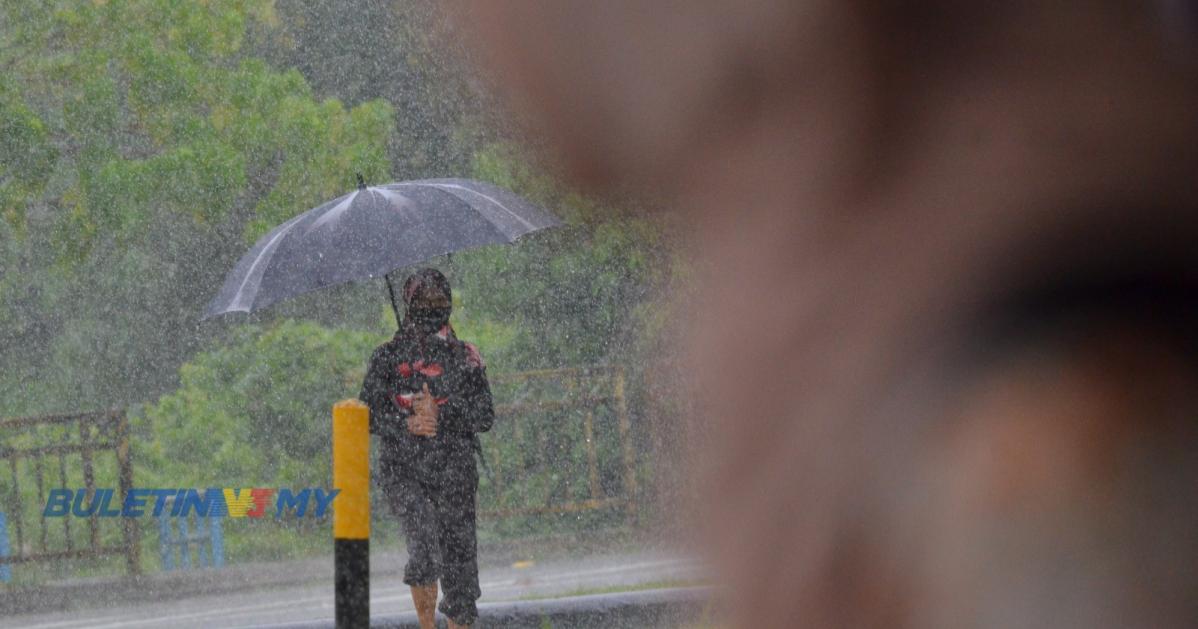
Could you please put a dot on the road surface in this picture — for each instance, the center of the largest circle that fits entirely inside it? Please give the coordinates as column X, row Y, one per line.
column 389, row 595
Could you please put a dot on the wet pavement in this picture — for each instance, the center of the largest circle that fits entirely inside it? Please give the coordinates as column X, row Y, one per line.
column 249, row 606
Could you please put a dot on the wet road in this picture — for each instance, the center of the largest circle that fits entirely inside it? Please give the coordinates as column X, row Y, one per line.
column 388, row 595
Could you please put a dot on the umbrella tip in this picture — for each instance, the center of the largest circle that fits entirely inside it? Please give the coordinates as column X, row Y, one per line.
column 361, row 182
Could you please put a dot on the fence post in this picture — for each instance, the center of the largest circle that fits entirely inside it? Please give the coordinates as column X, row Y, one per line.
column 625, row 426
column 201, row 534
column 166, row 551
column 351, row 515
column 5, row 568
column 125, row 479
column 184, row 544
column 216, row 541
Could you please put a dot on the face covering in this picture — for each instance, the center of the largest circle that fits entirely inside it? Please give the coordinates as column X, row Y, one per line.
column 429, row 320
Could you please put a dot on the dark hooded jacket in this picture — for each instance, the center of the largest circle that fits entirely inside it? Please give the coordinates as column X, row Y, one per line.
column 456, row 376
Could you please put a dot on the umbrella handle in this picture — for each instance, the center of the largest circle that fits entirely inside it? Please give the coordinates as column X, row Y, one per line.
column 394, row 306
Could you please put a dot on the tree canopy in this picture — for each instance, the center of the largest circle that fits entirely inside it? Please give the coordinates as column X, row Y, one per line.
column 143, row 149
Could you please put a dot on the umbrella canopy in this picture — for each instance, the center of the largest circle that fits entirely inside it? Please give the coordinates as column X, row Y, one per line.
column 371, row 232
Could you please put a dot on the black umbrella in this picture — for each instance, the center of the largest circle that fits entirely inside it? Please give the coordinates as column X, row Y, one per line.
column 369, row 233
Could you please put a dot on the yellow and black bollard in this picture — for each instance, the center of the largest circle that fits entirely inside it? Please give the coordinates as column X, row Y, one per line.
column 351, row 515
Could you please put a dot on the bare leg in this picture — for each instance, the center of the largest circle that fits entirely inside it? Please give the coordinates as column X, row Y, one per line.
column 424, row 597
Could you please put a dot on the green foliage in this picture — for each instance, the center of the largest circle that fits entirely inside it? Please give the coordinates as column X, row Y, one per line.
column 164, row 116
column 579, row 294
column 141, row 150
column 26, row 155
column 419, row 71
column 255, row 411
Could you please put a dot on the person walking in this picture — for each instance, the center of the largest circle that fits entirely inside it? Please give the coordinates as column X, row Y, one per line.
column 429, row 398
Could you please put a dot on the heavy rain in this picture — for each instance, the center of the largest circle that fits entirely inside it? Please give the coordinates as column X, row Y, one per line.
column 535, row 313
column 147, row 146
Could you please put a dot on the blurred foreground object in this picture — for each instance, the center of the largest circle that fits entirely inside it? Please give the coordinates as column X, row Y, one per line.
column 951, row 248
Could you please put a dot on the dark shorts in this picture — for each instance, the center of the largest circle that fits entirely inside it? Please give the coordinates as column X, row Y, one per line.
column 438, row 519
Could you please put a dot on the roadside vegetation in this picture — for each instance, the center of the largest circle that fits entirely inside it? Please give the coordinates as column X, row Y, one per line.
column 146, row 144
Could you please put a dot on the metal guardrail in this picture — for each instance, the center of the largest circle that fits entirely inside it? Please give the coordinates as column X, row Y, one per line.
column 65, row 449
column 581, row 390
column 177, row 536
column 5, row 569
